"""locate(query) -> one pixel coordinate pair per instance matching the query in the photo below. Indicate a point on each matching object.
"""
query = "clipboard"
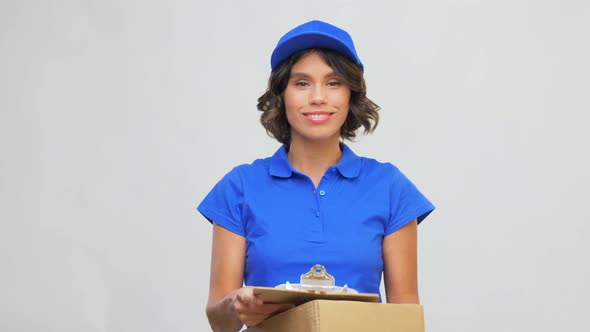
(276, 295)
(317, 284)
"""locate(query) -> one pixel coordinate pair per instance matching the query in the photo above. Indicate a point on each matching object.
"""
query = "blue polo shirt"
(290, 225)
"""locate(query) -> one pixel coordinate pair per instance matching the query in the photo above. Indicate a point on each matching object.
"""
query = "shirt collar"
(349, 165)
(279, 164)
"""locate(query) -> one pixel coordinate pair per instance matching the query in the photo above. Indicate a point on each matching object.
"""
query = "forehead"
(312, 62)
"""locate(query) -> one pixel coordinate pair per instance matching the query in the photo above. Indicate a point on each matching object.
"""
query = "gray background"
(117, 117)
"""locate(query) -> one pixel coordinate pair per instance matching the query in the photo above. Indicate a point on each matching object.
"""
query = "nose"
(318, 95)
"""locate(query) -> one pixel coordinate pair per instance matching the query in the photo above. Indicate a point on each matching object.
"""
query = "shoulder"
(383, 170)
(254, 167)
(240, 177)
(264, 167)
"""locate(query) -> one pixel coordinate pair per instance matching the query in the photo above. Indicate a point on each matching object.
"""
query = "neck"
(314, 159)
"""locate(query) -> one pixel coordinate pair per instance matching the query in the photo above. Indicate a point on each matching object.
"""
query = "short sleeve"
(223, 204)
(406, 203)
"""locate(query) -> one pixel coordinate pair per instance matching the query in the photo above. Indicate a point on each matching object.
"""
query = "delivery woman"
(314, 201)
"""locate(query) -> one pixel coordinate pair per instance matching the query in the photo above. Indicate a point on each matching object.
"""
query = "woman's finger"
(265, 309)
(253, 315)
(248, 305)
(246, 295)
(252, 319)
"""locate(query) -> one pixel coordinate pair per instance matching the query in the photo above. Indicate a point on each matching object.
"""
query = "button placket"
(320, 193)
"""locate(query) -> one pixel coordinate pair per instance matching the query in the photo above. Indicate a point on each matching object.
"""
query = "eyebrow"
(304, 75)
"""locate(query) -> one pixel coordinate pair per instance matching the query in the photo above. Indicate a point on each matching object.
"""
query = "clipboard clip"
(317, 276)
(317, 280)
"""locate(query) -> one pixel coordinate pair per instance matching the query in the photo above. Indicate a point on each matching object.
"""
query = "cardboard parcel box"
(337, 315)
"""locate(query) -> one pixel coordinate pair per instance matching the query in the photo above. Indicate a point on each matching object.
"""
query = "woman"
(314, 201)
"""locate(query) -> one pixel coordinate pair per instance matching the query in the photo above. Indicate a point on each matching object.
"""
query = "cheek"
(342, 96)
(289, 107)
(289, 101)
(293, 103)
(344, 100)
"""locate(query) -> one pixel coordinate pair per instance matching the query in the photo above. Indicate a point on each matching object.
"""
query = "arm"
(227, 271)
(230, 305)
(400, 265)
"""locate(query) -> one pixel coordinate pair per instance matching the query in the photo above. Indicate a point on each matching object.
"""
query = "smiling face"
(316, 101)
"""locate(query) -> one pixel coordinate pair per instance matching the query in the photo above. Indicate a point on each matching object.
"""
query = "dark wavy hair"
(362, 113)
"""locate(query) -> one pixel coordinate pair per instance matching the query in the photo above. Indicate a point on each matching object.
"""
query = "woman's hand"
(252, 310)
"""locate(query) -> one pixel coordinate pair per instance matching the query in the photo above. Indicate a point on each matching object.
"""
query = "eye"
(301, 83)
(334, 83)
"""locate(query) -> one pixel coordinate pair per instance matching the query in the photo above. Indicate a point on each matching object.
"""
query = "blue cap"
(314, 34)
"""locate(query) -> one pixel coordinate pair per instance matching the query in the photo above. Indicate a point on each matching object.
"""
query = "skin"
(400, 261)
(230, 305)
(312, 88)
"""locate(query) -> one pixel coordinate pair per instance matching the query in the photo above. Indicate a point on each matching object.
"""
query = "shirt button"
(322, 193)
(317, 213)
